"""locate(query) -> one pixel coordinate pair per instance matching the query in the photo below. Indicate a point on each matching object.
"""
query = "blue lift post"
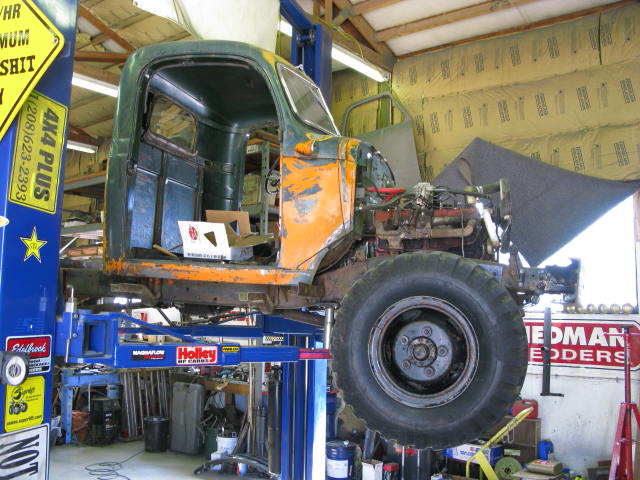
(30, 216)
(310, 46)
(31, 187)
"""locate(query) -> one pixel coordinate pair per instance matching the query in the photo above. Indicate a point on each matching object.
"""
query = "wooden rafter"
(328, 10)
(447, 18)
(96, 73)
(132, 21)
(103, 57)
(87, 100)
(523, 28)
(178, 36)
(365, 29)
(79, 135)
(385, 62)
(97, 121)
(369, 5)
(104, 28)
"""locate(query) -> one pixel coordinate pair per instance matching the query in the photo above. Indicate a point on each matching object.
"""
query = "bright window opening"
(606, 250)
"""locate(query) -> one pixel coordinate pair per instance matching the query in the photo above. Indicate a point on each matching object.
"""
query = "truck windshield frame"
(306, 100)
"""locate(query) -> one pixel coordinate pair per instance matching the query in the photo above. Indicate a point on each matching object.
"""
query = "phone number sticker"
(37, 156)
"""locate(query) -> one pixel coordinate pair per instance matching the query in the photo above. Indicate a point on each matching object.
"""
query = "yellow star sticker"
(33, 245)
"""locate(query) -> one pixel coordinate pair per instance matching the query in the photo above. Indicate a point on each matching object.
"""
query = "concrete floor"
(68, 462)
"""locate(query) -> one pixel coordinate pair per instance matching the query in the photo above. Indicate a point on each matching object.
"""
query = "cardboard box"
(527, 432)
(546, 467)
(449, 476)
(523, 453)
(528, 475)
(224, 236)
(465, 451)
(372, 470)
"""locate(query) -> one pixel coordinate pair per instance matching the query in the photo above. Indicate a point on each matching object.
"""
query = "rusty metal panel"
(316, 208)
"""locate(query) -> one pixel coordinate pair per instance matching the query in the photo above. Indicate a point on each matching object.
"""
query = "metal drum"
(341, 456)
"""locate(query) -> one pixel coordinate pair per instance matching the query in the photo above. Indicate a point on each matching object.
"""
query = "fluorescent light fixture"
(285, 27)
(342, 55)
(357, 63)
(81, 147)
(94, 84)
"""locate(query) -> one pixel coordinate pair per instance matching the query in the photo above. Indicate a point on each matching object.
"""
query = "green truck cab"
(429, 345)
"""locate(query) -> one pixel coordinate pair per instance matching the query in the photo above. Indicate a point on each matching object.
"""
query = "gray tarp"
(550, 205)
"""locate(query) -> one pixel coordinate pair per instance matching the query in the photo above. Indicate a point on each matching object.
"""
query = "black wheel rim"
(423, 352)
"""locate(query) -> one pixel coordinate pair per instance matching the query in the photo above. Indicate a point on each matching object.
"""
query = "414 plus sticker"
(37, 155)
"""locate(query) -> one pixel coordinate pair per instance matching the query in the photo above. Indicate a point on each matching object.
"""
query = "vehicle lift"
(34, 324)
(86, 338)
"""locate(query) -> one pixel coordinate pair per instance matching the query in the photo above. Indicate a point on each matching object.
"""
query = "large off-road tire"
(429, 349)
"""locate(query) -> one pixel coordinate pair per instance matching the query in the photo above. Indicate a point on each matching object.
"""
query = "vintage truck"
(429, 346)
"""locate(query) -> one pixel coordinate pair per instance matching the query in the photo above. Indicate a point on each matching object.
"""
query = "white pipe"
(491, 227)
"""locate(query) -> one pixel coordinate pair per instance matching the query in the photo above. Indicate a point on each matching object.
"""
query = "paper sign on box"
(226, 235)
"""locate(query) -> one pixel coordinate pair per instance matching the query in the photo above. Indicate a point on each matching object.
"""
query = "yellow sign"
(229, 349)
(37, 155)
(29, 43)
(24, 405)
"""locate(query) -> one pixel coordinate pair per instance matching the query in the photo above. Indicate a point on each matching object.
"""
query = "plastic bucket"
(227, 443)
(341, 460)
(211, 443)
(156, 434)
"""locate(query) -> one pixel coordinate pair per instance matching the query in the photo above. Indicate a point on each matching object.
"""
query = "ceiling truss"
(123, 28)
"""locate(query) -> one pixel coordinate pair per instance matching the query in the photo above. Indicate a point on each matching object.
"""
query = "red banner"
(583, 343)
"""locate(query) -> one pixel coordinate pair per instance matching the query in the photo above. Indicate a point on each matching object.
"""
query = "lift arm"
(83, 337)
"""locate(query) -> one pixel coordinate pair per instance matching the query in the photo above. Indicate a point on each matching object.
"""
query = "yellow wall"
(565, 94)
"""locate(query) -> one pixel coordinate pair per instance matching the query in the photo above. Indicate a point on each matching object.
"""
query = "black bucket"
(156, 434)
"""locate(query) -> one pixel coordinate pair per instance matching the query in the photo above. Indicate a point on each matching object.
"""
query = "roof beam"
(385, 62)
(87, 100)
(98, 23)
(97, 121)
(104, 57)
(78, 135)
(523, 28)
(96, 73)
(447, 18)
(133, 20)
(369, 5)
(365, 29)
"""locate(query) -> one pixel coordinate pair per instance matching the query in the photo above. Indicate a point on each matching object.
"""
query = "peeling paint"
(304, 207)
(317, 205)
(270, 57)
